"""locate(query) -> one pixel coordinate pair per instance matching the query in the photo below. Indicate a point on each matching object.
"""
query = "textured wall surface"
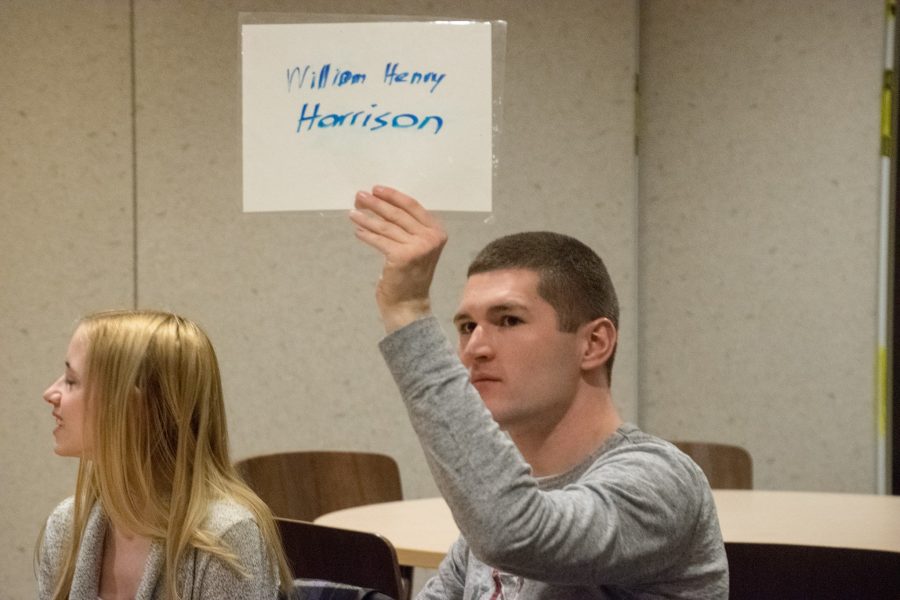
(758, 232)
(288, 298)
(65, 234)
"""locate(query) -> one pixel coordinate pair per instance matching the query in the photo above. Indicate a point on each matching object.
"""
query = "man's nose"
(479, 345)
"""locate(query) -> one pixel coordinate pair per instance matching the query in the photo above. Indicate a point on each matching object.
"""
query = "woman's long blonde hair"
(159, 455)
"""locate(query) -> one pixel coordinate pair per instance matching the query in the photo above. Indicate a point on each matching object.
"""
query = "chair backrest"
(789, 571)
(356, 558)
(306, 485)
(315, 589)
(725, 466)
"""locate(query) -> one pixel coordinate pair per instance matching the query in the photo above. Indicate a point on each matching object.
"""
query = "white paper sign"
(332, 108)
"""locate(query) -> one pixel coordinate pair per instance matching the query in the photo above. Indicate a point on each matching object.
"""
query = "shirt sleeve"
(54, 539)
(216, 579)
(450, 581)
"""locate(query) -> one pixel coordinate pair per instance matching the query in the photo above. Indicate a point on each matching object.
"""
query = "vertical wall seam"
(134, 173)
(636, 218)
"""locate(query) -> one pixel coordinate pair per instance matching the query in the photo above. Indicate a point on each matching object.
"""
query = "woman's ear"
(600, 343)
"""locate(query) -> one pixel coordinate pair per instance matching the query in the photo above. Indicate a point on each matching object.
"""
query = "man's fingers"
(377, 225)
(397, 207)
(385, 222)
(387, 211)
(372, 239)
(407, 203)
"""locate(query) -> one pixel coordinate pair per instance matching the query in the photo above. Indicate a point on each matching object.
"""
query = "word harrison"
(365, 119)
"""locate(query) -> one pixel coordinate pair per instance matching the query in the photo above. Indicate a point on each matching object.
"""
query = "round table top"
(423, 530)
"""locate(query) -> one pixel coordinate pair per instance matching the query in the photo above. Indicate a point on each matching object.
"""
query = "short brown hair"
(572, 278)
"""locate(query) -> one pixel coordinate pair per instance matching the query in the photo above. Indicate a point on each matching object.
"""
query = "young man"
(569, 502)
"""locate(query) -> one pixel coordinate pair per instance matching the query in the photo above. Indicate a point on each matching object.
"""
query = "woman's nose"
(52, 393)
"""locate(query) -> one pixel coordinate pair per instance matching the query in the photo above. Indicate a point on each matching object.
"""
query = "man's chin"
(487, 388)
(496, 412)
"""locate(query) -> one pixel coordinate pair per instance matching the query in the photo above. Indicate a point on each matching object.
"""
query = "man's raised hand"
(411, 240)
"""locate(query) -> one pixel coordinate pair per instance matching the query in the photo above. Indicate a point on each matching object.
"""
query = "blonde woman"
(158, 510)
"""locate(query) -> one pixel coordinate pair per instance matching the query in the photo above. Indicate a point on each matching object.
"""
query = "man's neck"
(583, 429)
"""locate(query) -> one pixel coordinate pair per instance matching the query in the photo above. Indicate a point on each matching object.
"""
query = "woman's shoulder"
(65, 507)
(234, 524)
(58, 530)
(227, 513)
(61, 517)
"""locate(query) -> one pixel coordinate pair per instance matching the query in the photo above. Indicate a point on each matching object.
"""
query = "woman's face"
(66, 395)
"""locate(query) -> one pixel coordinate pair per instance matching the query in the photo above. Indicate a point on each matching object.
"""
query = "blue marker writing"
(392, 76)
(316, 80)
(362, 118)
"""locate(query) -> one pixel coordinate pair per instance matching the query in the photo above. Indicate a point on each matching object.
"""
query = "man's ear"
(600, 342)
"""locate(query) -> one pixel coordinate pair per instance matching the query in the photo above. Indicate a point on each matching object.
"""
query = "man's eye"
(509, 321)
(465, 327)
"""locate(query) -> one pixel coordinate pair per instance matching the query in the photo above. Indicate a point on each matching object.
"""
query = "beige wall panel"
(759, 195)
(288, 297)
(65, 235)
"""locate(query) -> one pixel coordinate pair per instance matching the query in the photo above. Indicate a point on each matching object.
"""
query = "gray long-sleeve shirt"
(634, 520)
(202, 576)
